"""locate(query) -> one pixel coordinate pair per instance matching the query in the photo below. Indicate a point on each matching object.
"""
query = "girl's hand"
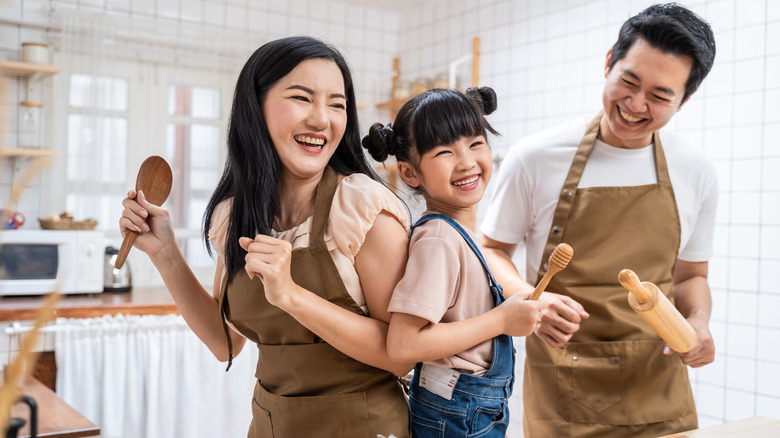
(269, 259)
(151, 222)
(520, 315)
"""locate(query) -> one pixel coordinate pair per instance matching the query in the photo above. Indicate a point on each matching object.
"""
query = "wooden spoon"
(154, 179)
(558, 260)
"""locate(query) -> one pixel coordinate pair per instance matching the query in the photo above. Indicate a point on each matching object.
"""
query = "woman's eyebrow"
(311, 92)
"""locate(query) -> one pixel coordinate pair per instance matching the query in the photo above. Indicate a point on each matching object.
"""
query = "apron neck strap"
(492, 281)
(325, 191)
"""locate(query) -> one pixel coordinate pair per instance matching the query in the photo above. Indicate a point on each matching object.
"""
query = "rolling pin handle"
(630, 281)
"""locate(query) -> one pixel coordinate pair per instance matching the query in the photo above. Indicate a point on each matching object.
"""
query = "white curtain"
(150, 376)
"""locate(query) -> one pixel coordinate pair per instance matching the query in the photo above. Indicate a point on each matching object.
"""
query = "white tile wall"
(546, 60)
(551, 70)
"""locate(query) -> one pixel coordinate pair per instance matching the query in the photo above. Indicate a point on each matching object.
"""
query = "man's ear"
(408, 174)
(608, 61)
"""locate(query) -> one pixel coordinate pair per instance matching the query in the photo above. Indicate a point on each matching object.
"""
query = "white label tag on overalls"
(438, 380)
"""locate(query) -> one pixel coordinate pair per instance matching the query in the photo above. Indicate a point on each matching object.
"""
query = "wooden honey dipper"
(558, 260)
(653, 306)
(154, 179)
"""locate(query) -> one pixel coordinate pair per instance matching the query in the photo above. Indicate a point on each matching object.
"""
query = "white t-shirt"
(530, 179)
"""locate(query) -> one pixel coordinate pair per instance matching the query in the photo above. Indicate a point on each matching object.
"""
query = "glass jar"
(31, 124)
(442, 80)
(421, 85)
(403, 90)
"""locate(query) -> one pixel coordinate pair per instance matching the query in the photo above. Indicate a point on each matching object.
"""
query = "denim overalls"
(480, 404)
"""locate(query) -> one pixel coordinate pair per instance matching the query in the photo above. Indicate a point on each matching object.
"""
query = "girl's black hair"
(252, 169)
(435, 117)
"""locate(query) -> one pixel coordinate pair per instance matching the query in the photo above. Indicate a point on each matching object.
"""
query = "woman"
(308, 244)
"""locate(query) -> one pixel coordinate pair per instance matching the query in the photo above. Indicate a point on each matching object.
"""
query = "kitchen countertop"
(139, 301)
(756, 427)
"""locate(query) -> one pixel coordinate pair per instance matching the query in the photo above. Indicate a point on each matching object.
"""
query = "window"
(192, 145)
(114, 120)
(97, 139)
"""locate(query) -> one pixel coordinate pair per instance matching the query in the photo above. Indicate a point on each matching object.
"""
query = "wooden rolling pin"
(558, 260)
(154, 179)
(653, 306)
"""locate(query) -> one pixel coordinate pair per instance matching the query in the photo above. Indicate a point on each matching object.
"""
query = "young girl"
(448, 313)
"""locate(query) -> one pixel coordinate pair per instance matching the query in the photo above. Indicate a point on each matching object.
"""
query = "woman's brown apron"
(611, 378)
(307, 388)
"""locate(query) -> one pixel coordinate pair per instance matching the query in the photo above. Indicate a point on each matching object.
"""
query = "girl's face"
(453, 177)
(306, 115)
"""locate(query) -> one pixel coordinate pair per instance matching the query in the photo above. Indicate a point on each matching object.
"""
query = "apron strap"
(572, 182)
(491, 280)
(324, 198)
(662, 170)
(569, 189)
(325, 191)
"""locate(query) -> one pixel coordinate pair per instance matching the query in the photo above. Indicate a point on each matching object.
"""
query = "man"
(623, 196)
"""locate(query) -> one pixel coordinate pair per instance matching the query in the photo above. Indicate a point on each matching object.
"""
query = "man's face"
(642, 93)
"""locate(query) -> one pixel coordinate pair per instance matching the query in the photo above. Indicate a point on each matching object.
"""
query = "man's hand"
(560, 319)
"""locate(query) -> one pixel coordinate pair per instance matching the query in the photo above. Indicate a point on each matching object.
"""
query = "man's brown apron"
(307, 388)
(611, 379)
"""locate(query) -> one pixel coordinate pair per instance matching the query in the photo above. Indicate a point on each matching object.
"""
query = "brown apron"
(611, 378)
(307, 388)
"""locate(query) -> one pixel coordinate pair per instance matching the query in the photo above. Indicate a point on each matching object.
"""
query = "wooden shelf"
(395, 104)
(26, 152)
(27, 69)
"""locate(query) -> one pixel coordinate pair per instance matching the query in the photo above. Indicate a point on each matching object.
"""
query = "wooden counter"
(756, 427)
(139, 301)
(55, 417)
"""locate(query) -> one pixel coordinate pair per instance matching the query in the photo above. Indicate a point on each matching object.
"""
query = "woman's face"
(306, 115)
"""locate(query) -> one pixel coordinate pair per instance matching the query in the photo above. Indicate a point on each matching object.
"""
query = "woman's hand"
(269, 259)
(151, 222)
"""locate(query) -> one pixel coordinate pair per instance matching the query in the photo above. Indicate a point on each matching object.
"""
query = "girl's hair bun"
(380, 141)
(484, 97)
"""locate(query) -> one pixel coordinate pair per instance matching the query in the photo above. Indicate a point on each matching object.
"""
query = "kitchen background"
(144, 77)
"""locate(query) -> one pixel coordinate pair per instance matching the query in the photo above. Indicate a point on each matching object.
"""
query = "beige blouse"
(357, 202)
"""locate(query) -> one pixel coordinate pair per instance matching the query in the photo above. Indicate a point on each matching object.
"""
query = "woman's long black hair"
(252, 168)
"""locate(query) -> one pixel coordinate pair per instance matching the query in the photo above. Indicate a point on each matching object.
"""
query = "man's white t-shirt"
(530, 179)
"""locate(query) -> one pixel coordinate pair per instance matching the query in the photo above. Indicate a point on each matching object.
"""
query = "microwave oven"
(34, 262)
